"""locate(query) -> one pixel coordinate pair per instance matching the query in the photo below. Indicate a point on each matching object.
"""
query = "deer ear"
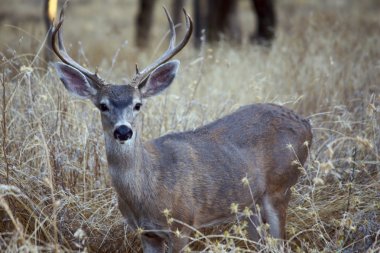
(159, 79)
(74, 81)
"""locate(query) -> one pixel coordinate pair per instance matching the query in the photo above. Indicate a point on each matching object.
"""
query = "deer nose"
(123, 133)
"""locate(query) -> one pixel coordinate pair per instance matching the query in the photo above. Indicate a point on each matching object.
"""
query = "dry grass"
(55, 192)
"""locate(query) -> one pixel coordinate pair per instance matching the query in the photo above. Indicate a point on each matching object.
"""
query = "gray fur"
(197, 175)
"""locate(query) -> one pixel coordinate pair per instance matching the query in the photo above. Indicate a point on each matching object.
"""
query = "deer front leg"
(152, 243)
(177, 244)
(266, 22)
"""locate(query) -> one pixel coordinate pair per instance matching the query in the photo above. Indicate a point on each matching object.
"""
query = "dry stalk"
(4, 126)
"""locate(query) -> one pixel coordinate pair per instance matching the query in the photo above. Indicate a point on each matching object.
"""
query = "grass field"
(55, 191)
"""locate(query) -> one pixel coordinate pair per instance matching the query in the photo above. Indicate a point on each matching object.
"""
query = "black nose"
(123, 133)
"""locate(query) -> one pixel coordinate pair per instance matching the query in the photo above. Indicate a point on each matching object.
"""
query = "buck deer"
(195, 175)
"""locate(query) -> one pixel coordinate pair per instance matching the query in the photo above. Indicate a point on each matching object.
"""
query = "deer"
(192, 176)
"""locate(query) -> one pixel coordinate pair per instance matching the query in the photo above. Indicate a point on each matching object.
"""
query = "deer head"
(119, 104)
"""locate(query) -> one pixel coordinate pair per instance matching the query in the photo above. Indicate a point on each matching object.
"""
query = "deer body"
(194, 176)
(197, 174)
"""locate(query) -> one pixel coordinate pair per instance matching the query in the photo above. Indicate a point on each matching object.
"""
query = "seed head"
(234, 208)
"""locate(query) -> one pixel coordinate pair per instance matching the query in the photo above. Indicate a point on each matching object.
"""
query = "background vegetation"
(55, 192)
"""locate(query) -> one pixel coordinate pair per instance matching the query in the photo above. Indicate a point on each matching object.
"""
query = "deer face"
(119, 104)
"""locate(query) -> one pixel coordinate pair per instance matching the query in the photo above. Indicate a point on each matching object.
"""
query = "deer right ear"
(74, 81)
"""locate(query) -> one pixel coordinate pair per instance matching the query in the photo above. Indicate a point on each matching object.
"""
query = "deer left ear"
(159, 79)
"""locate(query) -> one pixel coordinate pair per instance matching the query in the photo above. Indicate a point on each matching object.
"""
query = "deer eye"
(103, 107)
(137, 107)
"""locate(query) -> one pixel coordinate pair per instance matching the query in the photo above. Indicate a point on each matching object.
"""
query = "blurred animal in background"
(266, 22)
(218, 17)
(50, 14)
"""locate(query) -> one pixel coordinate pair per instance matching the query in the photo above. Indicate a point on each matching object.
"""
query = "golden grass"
(55, 192)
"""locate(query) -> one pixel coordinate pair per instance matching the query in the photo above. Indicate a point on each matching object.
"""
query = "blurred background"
(101, 27)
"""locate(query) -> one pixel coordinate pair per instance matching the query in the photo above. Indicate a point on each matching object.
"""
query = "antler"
(172, 50)
(61, 52)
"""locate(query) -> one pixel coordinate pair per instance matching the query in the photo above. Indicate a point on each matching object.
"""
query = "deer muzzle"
(123, 133)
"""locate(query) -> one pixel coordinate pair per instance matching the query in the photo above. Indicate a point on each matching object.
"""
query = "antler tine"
(62, 54)
(170, 52)
(172, 31)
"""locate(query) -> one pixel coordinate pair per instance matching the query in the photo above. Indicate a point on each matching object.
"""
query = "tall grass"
(55, 192)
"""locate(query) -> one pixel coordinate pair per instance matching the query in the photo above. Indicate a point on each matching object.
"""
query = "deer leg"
(200, 20)
(144, 22)
(253, 223)
(233, 29)
(266, 22)
(177, 6)
(271, 217)
(275, 205)
(152, 243)
(178, 244)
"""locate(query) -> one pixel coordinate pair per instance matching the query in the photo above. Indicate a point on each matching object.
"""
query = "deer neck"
(130, 169)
